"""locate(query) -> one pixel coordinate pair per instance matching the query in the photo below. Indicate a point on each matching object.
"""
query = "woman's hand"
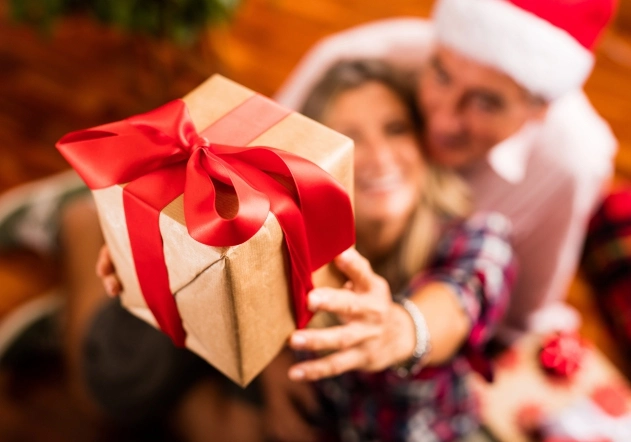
(376, 332)
(106, 271)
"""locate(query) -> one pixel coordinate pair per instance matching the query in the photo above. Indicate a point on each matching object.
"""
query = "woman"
(410, 328)
(408, 217)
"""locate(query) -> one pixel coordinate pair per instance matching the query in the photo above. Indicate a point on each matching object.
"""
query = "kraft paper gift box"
(234, 301)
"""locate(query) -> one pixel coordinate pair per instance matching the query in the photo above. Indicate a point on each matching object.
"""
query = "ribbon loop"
(220, 207)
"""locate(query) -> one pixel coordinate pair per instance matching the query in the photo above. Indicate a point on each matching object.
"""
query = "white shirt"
(547, 178)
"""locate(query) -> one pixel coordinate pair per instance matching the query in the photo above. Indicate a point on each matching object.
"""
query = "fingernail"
(315, 300)
(296, 374)
(298, 340)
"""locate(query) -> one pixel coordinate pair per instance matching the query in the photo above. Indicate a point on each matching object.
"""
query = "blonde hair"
(445, 196)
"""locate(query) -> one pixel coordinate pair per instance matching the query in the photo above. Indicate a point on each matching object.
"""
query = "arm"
(437, 302)
(549, 257)
(403, 41)
(576, 157)
(462, 299)
(476, 261)
(376, 332)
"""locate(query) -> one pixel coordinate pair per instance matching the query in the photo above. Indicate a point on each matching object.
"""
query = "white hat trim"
(544, 59)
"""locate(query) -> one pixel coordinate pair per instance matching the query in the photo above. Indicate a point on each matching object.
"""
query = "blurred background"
(61, 70)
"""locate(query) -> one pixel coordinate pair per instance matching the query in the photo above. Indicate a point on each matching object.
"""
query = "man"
(500, 86)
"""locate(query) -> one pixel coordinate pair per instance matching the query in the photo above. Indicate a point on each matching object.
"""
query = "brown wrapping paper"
(234, 301)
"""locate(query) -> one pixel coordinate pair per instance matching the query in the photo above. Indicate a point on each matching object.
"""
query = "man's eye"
(441, 76)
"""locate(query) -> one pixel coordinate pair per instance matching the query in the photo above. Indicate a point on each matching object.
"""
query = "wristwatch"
(423, 346)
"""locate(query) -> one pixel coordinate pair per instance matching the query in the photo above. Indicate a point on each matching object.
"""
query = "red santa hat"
(544, 45)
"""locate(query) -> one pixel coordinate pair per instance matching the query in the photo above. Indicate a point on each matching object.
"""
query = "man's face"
(469, 108)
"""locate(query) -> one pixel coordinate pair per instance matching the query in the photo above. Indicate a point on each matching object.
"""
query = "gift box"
(586, 420)
(169, 218)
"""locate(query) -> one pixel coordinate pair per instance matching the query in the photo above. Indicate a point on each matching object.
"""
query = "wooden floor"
(82, 75)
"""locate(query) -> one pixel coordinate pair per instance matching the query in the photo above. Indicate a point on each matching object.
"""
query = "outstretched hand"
(376, 333)
(107, 273)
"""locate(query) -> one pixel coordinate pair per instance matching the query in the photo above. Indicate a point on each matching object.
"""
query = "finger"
(356, 268)
(333, 338)
(343, 303)
(112, 285)
(104, 265)
(326, 299)
(328, 366)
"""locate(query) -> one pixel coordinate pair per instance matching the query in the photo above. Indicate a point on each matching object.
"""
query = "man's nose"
(444, 115)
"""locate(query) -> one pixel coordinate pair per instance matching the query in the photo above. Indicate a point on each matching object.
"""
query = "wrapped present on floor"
(218, 210)
(556, 387)
(591, 419)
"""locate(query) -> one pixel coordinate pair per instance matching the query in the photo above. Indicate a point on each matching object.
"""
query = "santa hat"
(544, 45)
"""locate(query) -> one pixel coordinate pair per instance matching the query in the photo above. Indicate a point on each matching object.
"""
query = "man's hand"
(376, 332)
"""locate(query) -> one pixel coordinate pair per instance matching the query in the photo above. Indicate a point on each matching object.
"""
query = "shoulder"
(577, 141)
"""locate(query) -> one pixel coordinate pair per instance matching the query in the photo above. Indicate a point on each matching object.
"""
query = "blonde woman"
(426, 284)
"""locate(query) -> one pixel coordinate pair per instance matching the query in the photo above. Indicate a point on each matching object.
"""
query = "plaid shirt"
(475, 258)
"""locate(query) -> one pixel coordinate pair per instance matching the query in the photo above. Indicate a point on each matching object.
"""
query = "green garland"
(181, 21)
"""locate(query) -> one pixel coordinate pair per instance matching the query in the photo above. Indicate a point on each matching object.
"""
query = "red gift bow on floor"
(562, 353)
(161, 156)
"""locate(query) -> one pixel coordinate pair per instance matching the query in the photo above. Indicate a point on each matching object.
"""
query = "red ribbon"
(161, 156)
(562, 354)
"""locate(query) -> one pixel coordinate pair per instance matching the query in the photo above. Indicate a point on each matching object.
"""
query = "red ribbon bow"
(161, 156)
(562, 354)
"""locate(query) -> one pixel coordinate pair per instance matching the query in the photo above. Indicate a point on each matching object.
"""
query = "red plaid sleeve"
(476, 259)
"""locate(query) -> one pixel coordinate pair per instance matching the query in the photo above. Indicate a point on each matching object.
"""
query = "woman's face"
(389, 168)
